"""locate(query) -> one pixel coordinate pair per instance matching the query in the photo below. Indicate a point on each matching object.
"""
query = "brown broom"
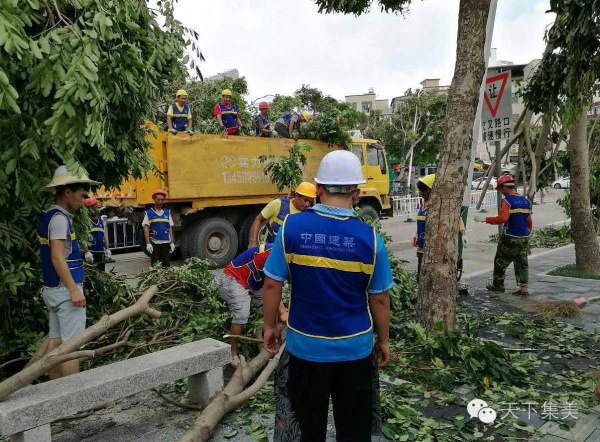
(553, 309)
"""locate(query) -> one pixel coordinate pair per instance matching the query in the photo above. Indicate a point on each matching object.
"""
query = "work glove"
(190, 131)
(465, 241)
(107, 253)
(89, 257)
(172, 247)
(173, 131)
(414, 241)
(149, 248)
(479, 219)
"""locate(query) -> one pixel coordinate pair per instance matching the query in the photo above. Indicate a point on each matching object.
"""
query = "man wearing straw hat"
(62, 265)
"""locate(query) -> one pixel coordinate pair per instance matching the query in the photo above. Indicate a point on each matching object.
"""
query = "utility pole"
(498, 175)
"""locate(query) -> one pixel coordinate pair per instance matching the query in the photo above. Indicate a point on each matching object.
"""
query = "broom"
(553, 309)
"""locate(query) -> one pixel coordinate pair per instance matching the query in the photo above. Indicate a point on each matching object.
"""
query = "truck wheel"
(184, 243)
(368, 213)
(214, 239)
(244, 231)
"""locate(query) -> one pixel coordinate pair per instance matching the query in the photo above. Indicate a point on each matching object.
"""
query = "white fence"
(408, 206)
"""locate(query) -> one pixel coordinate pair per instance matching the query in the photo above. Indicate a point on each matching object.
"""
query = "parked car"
(479, 182)
(562, 183)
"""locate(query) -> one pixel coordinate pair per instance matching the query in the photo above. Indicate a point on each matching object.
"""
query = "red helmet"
(91, 201)
(159, 192)
(505, 179)
(263, 105)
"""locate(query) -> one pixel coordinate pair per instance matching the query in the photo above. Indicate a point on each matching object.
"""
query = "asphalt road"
(478, 256)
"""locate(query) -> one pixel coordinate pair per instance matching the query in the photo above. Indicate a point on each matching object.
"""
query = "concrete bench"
(26, 415)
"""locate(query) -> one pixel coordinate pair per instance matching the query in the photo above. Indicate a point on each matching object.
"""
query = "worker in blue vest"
(286, 124)
(97, 251)
(339, 276)
(513, 244)
(227, 115)
(425, 184)
(62, 265)
(274, 213)
(262, 127)
(158, 230)
(179, 116)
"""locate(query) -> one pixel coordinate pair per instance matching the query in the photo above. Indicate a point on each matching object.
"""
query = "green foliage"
(202, 98)
(283, 104)
(77, 80)
(568, 75)
(546, 237)
(327, 127)
(286, 171)
(571, 271)
(358, 7)
(418, 119)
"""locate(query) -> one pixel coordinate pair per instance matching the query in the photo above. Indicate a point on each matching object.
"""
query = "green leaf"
(35, 49)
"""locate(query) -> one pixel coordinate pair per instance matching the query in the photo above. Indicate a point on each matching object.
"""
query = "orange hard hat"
(505, 179)
(91, 201)
(263, 105)
(159, 192)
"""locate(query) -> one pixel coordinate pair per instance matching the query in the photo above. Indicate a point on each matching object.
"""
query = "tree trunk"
(587, 252)
(436, 303)
(539, 154)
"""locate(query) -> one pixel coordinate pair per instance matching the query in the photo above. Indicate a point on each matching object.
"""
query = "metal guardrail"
(408, 206)
(121, 234)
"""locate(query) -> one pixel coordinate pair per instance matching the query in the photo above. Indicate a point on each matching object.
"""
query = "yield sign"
(494, 89)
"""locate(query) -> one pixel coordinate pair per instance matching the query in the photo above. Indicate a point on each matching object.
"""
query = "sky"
(279, 45)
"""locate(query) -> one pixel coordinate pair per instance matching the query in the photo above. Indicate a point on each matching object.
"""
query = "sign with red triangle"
(494, 89)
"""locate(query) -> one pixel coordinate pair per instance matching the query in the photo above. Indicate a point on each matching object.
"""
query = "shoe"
(493, 288)
(520, 293)
(235, 361)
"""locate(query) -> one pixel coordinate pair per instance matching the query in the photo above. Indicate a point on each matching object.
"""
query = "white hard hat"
(340, 167)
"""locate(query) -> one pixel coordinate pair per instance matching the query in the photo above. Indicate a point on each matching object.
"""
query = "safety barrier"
(121, 234)
(408, 206)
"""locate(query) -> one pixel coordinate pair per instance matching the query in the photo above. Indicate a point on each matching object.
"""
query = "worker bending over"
(286, 124)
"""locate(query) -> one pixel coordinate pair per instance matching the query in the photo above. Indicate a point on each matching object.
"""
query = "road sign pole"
(498, 175)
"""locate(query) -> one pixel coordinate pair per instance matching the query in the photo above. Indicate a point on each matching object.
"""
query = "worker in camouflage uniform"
(513, 244)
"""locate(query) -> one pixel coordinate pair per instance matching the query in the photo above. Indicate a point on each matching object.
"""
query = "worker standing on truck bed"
(158, 230)
(339, 276)
(179, 117)
(98, 250)
(275, 212)
(262, 128)
(286, 124)
(241, 285)
(227, 115)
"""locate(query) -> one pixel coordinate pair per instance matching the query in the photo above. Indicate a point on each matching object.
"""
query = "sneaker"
(520, 293)
(235, 361)
(493, 288)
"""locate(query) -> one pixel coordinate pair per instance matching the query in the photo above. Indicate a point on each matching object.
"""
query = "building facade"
(368, 102)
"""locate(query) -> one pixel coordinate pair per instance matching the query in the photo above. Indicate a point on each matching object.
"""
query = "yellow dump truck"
(217, 186)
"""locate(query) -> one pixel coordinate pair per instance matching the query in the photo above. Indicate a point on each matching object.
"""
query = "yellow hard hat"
(306, 115)
(428, 180)
(181, 92)
(226, 92)
(307, 189)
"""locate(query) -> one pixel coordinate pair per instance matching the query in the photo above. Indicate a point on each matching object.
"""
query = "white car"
(562, 183)
(479, 182)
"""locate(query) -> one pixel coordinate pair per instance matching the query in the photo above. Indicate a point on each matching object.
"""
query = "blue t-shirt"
(327, 350)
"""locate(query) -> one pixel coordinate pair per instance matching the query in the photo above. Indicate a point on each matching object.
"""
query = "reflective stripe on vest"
(74, 260)
(228, 115)
(159, 225)
(97, 231)
(519, 213)
(255, 276)
(331, 261)
(180, 117)
(269, 231)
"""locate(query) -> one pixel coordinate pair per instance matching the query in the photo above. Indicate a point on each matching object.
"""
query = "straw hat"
(62, 176)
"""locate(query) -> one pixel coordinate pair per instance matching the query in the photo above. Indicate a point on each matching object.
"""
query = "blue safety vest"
(228, 115)
(270, 229)
(421, 223)
(286, 119)
(265, 123)
(180, 117)
(256, 276)
(159, 225)
(97, 231)
(520, 211)
(74, 261)
(331, 260)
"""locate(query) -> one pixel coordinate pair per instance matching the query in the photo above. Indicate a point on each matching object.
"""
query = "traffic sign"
(496, 114)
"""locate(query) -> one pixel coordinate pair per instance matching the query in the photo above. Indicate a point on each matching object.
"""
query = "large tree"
(438, 284)
(565, 83)
(77, 80)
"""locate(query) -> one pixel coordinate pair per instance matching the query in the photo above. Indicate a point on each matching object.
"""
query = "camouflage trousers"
(511, 250)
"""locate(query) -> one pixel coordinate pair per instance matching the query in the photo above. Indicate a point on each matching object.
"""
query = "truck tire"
(368, 213)
(184, 242)
(214, 239)
(244, 231)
